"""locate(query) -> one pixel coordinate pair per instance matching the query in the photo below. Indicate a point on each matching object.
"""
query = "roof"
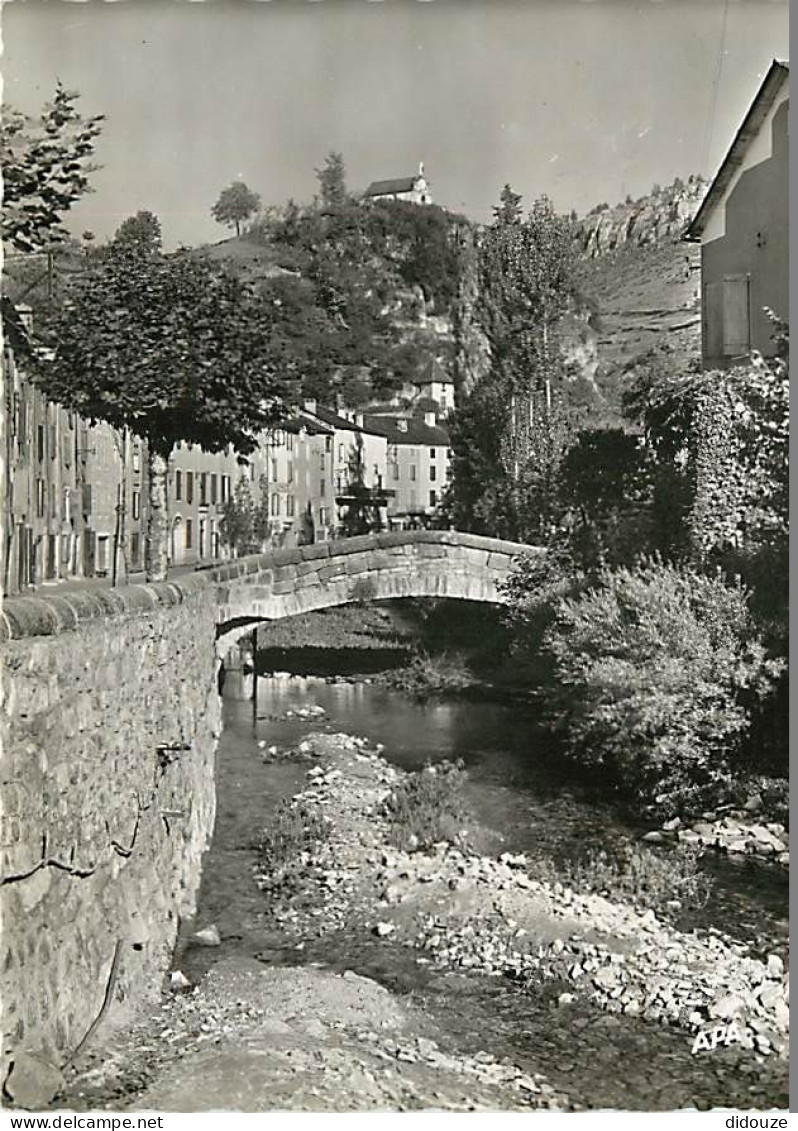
(399, 184)
(417, 431)
(435, 372)
(778, 74)
(335, 420)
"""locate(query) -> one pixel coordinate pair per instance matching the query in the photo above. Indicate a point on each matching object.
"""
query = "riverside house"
(743, 228)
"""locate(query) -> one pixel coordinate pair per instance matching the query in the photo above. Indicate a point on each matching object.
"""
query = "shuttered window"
(727, 318)
(736, 317)
(713, 320)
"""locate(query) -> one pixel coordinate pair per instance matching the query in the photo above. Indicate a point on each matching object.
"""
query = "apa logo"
(709, 1039)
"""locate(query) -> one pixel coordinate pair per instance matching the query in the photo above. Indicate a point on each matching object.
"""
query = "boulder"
(33, 1081)
(208, 936)
(775, 966)
(726, 1007)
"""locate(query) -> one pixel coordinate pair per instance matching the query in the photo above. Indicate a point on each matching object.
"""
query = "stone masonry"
(109, 732)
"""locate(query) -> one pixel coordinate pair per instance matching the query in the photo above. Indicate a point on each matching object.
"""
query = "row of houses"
(76, 493)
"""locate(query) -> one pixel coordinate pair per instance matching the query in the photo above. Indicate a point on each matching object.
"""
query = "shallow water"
(518, 790)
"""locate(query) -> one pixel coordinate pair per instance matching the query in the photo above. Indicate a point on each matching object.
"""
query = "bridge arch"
(413, 563)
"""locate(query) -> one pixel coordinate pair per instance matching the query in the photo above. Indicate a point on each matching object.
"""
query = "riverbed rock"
(208, 936)
(34, 1081)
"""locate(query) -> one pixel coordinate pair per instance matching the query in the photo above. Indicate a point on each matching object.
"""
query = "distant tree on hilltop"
(508, 210)
(332, 181)
(142, 230)
(235, 205)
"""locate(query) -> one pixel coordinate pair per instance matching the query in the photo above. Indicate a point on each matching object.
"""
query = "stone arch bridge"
(414, 563)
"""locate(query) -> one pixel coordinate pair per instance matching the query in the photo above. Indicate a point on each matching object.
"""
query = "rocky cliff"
(661, 215)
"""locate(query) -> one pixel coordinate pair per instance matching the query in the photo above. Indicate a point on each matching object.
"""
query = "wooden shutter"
(736, 316)
(713, 321)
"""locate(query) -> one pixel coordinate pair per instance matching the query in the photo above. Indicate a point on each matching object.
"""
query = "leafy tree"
(332, 181)
(526, 283)
(236, 204)
(172, 347)
(142, 230)
(46, 167)
(245, 524)
(508, 211)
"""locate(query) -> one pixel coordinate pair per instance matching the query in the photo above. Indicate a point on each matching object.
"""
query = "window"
(328, 443)
(412, 471)
(40, 442)
(189, 532)
(274, 471)
(433, 498)
(289, 441)
(323, 516)
(203, 487)
(433, 452)
(322, 486)
(53, 441)
(136, 505)
(727, 317)
(290, 475)
(290, 506)
(189, 488)
(225, 485)
(433, 472)
(178, 485)
(214, 482)
(135, 549)
(341, 453)
(275, 504)
(395, 470)
(102, 553)
(136, 458)
(40, 498)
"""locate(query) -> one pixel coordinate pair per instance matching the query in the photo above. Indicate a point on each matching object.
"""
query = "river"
(517, 789)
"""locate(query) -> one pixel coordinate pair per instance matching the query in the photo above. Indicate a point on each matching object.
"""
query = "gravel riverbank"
(473, 912)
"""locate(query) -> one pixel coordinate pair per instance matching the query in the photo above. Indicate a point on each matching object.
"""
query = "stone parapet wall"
(110, 719)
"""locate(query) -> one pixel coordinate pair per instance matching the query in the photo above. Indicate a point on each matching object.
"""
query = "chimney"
(401, 424)
(310, 406)
(431, 419)
(359, 419)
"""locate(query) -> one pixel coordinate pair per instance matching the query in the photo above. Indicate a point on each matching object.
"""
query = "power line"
(716, 83)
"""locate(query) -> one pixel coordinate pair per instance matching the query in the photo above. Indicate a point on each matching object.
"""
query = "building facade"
(75, 499)
(415, 190)
(743, 228)
(418, 467)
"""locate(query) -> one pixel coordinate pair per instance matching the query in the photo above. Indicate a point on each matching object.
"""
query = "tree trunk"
(120, 576)
(158, 518)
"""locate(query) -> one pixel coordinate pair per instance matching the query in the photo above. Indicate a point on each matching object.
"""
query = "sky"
(583, 100)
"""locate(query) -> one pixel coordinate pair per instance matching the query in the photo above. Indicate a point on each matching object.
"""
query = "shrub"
(426, 807)
(433, 675)
(287, 845)
(657, 669)
(640, 876)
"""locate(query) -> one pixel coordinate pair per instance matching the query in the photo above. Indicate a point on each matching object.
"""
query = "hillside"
(644, 280)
